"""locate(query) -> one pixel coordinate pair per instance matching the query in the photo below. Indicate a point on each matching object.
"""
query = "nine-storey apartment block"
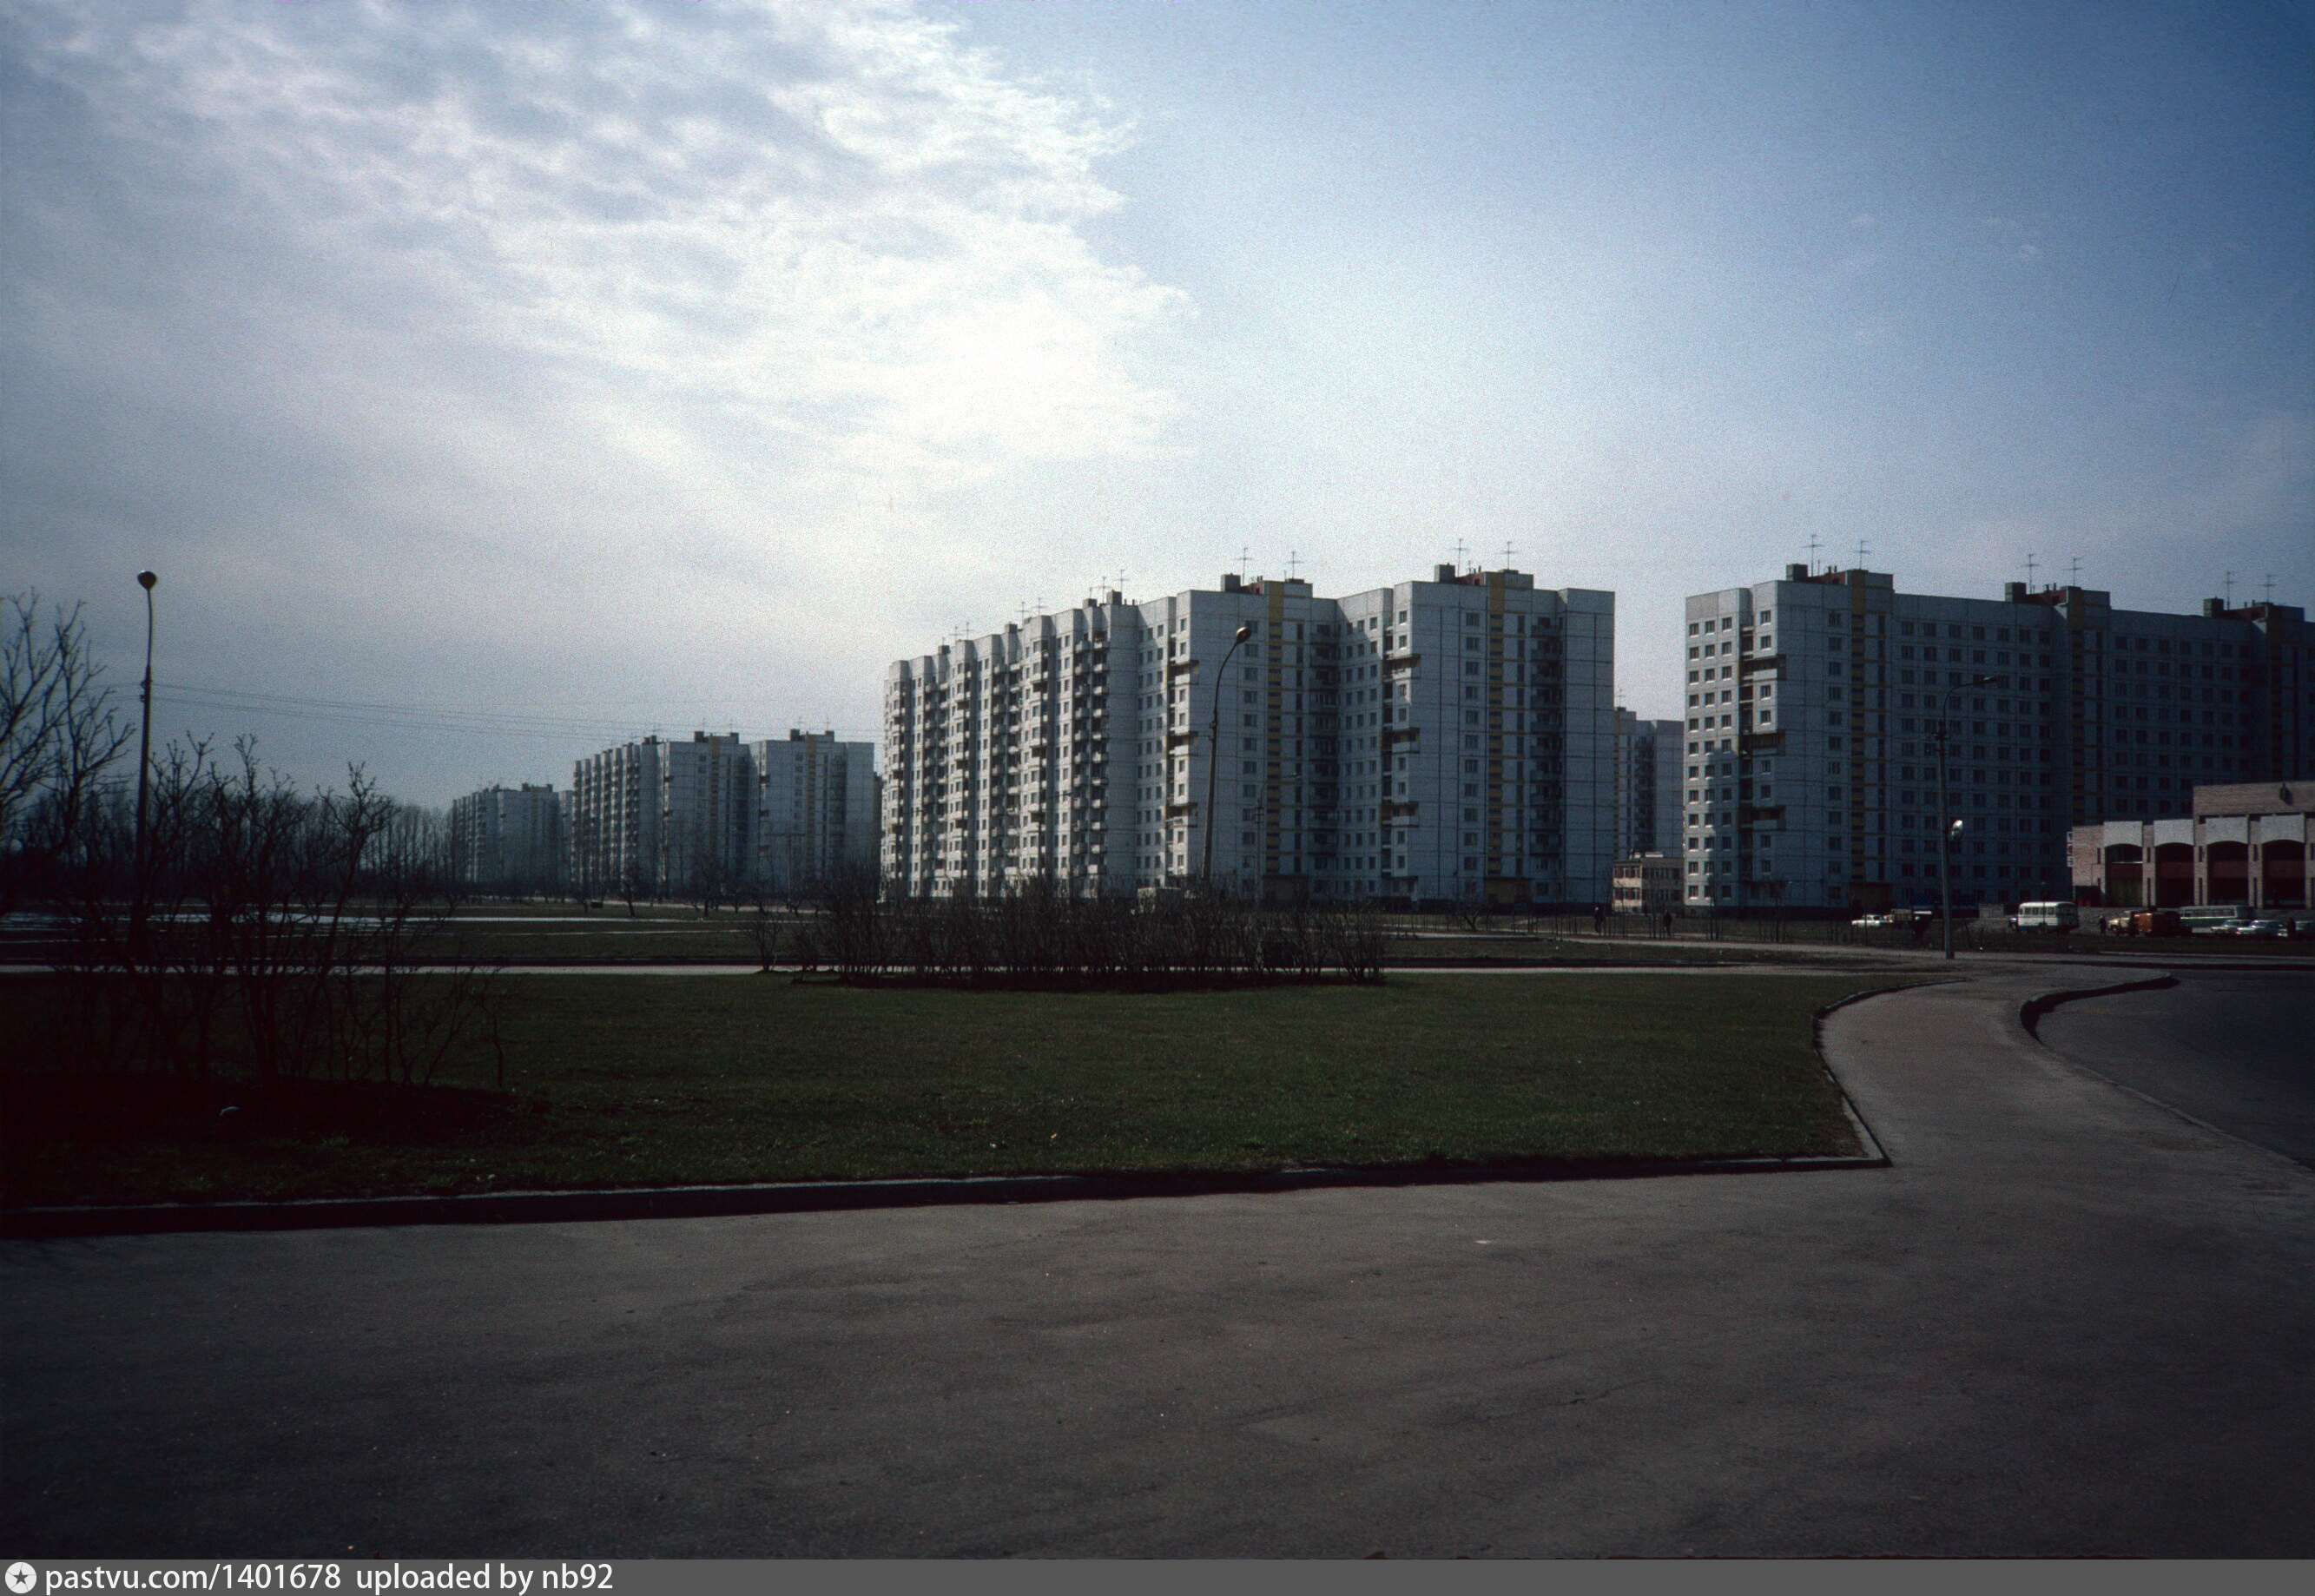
(1811, 748)
(1450, 740)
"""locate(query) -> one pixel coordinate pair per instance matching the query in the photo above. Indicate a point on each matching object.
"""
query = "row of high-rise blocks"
(1452, 738)
(1456, 740)
(661, 818)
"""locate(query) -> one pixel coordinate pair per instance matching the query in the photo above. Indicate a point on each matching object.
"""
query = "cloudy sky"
(492, 379)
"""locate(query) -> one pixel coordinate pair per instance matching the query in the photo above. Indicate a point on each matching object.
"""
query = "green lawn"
(646, 1080)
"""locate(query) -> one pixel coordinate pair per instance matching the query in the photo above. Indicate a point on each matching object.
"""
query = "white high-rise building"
(705, 801)
(508, 839)
(613, 821)
(814, 817)
(1450, 740)
(1816, 705)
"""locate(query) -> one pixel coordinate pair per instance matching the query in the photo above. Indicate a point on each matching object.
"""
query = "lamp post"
(1214, 756)
(148, 581)
(1946, 828)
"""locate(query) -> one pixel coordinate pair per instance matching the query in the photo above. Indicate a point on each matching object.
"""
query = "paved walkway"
(2066, 1321)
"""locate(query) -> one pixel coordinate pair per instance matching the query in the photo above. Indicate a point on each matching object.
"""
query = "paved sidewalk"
(2065, 1321)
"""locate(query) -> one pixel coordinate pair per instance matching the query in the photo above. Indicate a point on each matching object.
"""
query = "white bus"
(2046, 917)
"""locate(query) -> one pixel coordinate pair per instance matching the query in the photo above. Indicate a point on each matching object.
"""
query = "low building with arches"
(2245, 843)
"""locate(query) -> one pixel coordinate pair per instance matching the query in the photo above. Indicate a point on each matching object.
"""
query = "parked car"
(2276, 929)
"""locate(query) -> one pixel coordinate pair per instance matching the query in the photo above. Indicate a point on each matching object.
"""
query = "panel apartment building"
(1450, 740)
(1648, 785)
(1810, 754)
(668, 816)
(815, 811)
(508, 839)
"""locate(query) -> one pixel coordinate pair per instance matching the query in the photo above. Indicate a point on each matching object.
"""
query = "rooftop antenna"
(2029, 570)
(2230, 589)
(1813, 548)
(1860, 554)
(1507, 553)
(2074, 572)
(1461, 553)
(1245, 559)
(1292, 559)
(2267, 586)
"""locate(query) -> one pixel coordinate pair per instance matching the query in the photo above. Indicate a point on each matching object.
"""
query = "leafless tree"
(59, 732)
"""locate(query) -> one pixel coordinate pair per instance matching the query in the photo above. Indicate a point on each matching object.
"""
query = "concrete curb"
(1877, 1156)
(539, 1208)
(2030, 1013)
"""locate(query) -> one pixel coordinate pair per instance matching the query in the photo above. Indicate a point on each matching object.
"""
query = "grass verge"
(639, 1081)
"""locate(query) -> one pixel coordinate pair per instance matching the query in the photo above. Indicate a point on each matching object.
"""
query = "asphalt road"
(2063, 1322)
(2235, 1050)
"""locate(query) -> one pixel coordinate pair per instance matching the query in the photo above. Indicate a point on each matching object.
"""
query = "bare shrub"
(1037, 934)
(291, 924)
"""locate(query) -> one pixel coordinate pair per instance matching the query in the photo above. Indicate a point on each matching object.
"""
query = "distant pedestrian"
(1667, 923)
(1599, 919)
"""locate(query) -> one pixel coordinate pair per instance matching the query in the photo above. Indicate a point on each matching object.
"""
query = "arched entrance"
(2226, 873)
(2283, 874)
(2174, 874)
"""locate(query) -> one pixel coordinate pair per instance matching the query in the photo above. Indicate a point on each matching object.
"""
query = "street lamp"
(1948, 829)
(148, 581)
(1213, 756)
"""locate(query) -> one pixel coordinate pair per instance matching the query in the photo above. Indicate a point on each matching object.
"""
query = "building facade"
(1646, 884)
(2245, 843)
(705, 802)
(1444, 741)
(1811, 747)
(1648, 785)
(614, 821)
(815, 812)
(508, 839)
(714, 816)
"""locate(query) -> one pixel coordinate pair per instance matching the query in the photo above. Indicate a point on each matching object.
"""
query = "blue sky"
(562, 371)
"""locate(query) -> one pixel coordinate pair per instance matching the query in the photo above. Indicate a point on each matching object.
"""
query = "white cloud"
(832, 222)
(646, 313)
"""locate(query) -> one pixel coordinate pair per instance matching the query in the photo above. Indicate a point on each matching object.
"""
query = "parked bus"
(2220, 918)
(2046, 917)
